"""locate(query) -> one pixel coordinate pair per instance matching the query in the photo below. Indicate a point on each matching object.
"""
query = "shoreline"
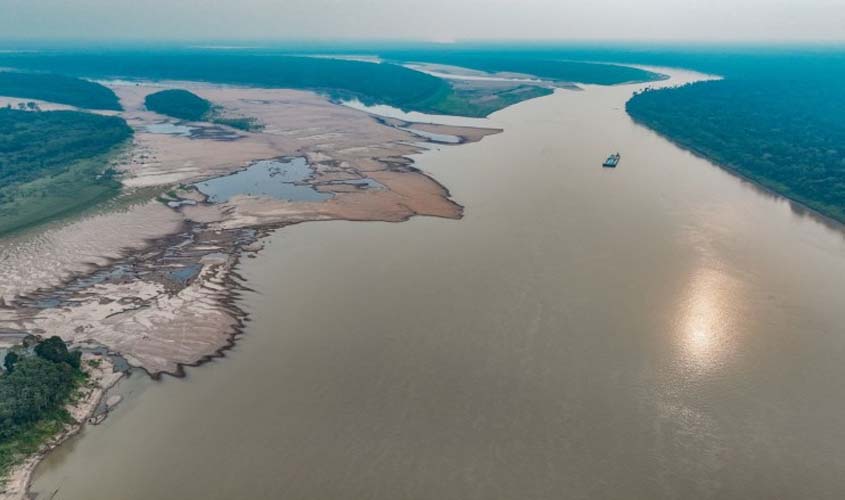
(102, 379)
(168, 299)
(234, 275)
(87, 301)
(798, 207)
(229, 283)
(234, 229)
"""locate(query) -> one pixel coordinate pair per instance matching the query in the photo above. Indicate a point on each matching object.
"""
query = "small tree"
(55, 350)
(52, 349)
(10, 360)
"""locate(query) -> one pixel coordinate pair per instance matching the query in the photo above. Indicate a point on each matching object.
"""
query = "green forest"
(34, 389)
(465, 100)
(384, 83)
(372, 83)
(54, 162)
(788, 135)
(186, 105)
(59, 89)
(178, 103)
(552, 69)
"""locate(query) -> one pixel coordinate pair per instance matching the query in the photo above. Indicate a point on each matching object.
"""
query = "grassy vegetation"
(479, 102)
(59, 89)
(54, 162)
(34, 389)
(787, 135)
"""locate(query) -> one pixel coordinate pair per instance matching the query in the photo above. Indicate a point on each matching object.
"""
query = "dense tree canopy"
(52, 162)
(33, 394)
(543, 67)
(57, 88)
(386, 83)
(35, 144)
(178, 103)
(10, 360)
(54, 349)
(31, 391)
(786, 135)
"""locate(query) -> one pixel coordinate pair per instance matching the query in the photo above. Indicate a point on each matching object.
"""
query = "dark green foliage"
(59, 89)
(787, 135)
(34, 389)
(186, 105)
(37, 144)
(178, 103)
(54, 349)
(52, 162)
(32, 399)
(747, 61)
(552, 69)
(467, 101)
(10, 360)
(372, 83)
(385, 83)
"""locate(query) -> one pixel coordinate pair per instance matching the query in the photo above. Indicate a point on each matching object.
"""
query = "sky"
(426, 20)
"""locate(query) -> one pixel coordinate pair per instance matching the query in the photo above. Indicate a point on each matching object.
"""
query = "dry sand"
(157, 283)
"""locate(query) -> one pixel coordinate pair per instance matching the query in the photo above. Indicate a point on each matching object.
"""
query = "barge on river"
(612, 161)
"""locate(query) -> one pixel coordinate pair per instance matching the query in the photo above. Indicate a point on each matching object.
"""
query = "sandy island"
(154, 279)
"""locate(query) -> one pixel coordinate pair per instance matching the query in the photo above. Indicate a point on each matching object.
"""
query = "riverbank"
(750, 127)
(800, 205)
(577, 324)
(101, 377)
(154, 280)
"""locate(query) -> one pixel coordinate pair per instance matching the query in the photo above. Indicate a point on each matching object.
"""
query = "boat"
(612, 161)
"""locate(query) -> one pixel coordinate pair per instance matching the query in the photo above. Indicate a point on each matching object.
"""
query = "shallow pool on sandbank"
(281, 179)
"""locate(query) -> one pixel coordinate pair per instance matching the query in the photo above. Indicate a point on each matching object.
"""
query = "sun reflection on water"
(708, 320)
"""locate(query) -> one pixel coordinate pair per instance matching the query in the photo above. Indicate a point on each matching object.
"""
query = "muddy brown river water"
(662, 330)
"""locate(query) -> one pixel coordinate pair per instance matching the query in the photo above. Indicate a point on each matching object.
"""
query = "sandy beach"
(154, 280)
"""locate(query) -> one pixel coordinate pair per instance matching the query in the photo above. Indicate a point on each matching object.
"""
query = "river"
(662, 330)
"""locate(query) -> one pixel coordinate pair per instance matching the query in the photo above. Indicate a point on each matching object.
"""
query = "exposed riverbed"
(659, 330)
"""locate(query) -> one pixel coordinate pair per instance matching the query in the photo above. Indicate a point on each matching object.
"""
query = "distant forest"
(59, 89)
(775, 118)
(782, 129)
(372, 83)
(383, 83)
(551, 69)
(53, 162)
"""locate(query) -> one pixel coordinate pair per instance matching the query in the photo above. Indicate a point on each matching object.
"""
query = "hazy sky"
(439, 20)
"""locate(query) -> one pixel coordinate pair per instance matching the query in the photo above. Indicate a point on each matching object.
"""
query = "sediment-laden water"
(659, 330)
